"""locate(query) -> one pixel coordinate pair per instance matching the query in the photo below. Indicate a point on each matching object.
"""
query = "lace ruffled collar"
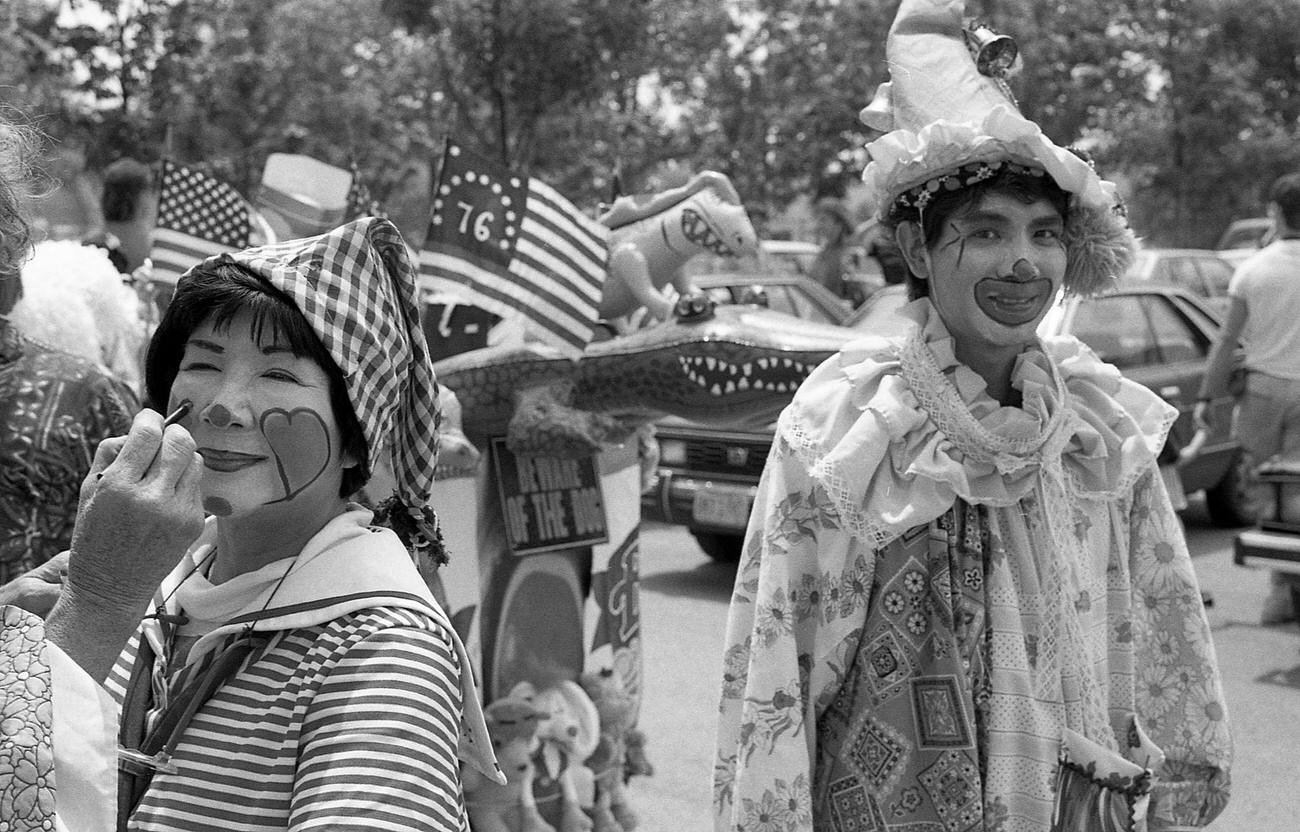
(914, 429)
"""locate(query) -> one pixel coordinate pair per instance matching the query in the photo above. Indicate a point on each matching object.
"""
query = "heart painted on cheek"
(301, 445)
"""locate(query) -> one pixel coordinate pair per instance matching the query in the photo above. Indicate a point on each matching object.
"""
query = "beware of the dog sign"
(549, 502)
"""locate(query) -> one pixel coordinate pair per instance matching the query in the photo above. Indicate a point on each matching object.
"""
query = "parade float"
(543, 529)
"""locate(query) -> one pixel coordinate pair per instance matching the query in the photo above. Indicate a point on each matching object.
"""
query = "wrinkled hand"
(140, 510)
(37, 589)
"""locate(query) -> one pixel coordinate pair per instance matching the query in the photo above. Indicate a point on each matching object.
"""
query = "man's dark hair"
(1285, 193)
(219, 293)
(125, 182)
(1023, 186)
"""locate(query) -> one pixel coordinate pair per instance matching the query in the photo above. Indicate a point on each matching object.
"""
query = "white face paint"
(995, 269)
(263, 423)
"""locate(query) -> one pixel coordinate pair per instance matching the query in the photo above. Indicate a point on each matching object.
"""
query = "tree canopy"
(1190, 104)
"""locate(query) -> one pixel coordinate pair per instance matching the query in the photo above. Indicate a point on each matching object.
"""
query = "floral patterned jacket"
(54, 411)
(941, 599)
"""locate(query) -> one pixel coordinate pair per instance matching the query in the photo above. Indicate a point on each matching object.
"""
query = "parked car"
(1160, 336)
(1274, 542)
(1200, 271)
(707, 476)
(782, 292)
(773, 257)
(1157, 335)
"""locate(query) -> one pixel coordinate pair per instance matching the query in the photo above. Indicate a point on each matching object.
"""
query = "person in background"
(965, 601)
(55, 408)
(876, 314)
(833, 231)
(128, 203)
(1265, 308)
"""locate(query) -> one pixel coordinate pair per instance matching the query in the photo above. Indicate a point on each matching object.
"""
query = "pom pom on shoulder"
(416, 526)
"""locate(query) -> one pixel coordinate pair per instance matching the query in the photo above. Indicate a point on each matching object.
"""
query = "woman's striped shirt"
(352, 724)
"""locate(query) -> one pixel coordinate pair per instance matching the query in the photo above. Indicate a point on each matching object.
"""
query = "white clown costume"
(952, 614)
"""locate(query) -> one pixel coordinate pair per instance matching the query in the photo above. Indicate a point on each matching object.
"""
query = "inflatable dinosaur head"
(707, 222)
(704, 215)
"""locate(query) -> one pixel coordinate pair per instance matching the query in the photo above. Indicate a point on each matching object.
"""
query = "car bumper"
(698, 503)
(1261, 549)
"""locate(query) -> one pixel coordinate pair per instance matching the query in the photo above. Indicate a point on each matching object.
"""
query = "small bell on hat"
(994, 54)
(950, 121)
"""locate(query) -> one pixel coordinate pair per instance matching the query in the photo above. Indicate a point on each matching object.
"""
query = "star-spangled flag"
(198, 216)
(511, 244)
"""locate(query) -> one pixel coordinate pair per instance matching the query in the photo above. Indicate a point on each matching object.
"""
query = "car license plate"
(722, 507)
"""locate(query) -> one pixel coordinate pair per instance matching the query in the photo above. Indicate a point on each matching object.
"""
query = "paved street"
(683, 603)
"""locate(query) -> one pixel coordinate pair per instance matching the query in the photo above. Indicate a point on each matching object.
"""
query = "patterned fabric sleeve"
(378, 746)
(1179, 693)
(54, 411)
(800, 599)
(26, 731)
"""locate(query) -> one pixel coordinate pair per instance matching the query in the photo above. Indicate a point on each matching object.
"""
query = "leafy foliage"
(1191, 104)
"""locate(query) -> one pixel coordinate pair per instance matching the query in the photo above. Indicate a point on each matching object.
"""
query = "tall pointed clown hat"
(950, 121)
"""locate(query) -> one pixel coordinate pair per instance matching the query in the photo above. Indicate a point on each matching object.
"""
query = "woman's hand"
(140, 510)
(37, 589)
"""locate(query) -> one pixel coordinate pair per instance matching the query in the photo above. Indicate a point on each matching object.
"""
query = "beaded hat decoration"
(949, 121)
(356, 287)
(922, 195)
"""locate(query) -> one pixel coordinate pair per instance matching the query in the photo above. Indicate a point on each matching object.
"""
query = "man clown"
(965, 601)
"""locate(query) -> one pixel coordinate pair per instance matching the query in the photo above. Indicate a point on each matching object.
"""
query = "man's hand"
(140, 511)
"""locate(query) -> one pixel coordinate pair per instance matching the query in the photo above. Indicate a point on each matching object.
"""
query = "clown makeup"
(262, 421)
(995, 269)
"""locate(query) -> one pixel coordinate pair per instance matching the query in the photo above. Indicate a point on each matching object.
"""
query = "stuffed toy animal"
(569, 735)
(617, 710)
(513, 723)
(637, 763)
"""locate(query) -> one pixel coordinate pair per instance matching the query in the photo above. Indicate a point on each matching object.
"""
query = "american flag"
(511, 244)
(198, 216)
(360, 202)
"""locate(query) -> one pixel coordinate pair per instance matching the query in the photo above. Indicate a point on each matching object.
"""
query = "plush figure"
(617, 710)
(652, 238)
(513, 723)
(637, 763)
(569, 736)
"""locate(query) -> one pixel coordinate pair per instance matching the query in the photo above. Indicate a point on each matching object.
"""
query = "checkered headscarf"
(355, 285)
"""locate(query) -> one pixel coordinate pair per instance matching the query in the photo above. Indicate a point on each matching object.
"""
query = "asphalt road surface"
(684, 607)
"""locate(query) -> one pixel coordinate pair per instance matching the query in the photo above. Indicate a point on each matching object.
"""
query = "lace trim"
(810, 451)
(940, 399)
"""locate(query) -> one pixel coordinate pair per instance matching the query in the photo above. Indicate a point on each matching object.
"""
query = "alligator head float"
(731, 366)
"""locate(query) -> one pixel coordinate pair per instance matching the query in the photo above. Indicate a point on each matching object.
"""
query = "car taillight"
(1288, 501)
(1282, 480)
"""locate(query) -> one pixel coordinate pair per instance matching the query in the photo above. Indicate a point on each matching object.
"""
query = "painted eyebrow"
(206, 345)
(275, 349)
